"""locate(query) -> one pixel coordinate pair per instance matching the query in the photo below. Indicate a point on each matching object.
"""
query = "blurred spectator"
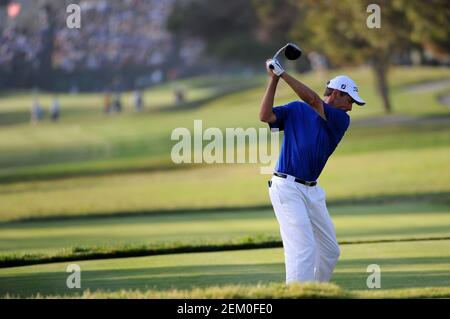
(179, 95)
(37, 113)
(318, 64)
(107, 102)
(74, 90)
(55, 109)
(138, 101)
(117, 103)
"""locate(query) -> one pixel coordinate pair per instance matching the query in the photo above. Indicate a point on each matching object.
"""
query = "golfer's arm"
(305, 93)
(266, 114)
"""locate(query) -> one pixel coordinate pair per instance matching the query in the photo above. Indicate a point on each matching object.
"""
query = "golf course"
(101, 191)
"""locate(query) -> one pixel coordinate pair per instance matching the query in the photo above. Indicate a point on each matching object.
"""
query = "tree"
(339, 30)
(251, 30)
(430, 23)
(235, 30)
(276, 19)
(227, 27)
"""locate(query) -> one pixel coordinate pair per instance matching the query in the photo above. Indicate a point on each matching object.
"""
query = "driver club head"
(292, 52)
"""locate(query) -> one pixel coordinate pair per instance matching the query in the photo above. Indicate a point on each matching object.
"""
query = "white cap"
(344, 84)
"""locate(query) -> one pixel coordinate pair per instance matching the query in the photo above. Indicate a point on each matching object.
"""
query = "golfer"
(312, 130)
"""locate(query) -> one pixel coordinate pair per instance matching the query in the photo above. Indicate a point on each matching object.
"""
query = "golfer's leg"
(328, 252)
(296, 232)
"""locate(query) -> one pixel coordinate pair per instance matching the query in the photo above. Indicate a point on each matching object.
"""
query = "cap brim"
(357, 99)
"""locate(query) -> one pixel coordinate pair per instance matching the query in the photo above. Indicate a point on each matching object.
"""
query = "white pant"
(309, 240)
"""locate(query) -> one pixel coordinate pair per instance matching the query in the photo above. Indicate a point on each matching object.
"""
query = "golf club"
(291, 52)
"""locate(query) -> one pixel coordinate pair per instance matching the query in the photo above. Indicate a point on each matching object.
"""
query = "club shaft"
(279, 51)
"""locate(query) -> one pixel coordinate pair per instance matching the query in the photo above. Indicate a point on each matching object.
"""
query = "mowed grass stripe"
(41, 242)
(354, 221)
(93, 139)
(403, 265)
(403, 172)
(150, 153)
(85, 133)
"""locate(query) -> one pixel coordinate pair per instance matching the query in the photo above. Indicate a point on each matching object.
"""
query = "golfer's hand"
(274, 67)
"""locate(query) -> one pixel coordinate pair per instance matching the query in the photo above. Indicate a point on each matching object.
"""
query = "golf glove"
(275, 66)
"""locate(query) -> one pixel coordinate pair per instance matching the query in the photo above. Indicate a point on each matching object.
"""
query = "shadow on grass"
(246, 243)
(434, 197)
(89, 172)
(20, 117)
(391, 278)
(12, 118)
(387, 262)
(158, 278)
(395, 121)
(422, 85)
(23, 117)
(231, 89)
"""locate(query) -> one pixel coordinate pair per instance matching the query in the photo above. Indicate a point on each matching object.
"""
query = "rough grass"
(261, 291)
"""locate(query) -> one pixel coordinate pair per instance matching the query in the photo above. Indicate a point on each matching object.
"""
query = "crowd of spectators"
(16, 45)
(113, 35)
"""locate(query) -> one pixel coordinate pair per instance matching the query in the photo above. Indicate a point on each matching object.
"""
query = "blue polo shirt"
(309, 140)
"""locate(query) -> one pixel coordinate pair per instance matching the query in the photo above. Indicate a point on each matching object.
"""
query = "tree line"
(249, 31)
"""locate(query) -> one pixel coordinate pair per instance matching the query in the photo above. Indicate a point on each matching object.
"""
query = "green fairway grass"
(359, 175)
(353, 223)
(96, 186)
(153, 153)
(78, 143)
(93, 136)
(16, 105)
(403, 265)
(102, 165)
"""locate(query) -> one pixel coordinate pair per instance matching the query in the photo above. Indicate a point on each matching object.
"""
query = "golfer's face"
(348, 102)
(344, 101)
